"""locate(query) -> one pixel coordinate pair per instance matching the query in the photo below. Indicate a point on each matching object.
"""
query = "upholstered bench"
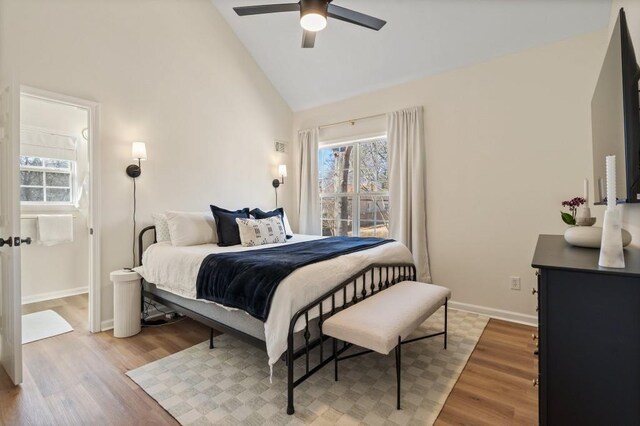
(381, 322)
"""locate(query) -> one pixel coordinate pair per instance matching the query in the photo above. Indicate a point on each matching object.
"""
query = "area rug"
(42, 325)
(229, 385)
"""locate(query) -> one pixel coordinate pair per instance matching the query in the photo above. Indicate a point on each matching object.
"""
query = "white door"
(10, 287)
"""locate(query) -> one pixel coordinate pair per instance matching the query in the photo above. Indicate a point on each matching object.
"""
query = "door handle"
(17, 241)
(8, 241)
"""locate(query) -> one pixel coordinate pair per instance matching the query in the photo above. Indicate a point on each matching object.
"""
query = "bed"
(302, 301)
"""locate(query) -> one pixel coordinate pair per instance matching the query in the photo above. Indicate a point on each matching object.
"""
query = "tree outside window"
(354, 188)
(46, 180)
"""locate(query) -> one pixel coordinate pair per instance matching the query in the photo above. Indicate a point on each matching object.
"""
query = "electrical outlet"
(515, 283)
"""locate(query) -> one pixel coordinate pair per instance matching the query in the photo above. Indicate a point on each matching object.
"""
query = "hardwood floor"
(78, 377)
(496, 387)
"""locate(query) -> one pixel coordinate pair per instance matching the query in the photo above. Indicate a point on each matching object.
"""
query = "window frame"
(357, 195)
(71, 171)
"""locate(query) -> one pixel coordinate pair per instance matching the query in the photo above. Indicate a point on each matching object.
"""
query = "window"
(46, 180)
(354, 188)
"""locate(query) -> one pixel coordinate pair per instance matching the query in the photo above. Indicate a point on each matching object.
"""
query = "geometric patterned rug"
(229, 385)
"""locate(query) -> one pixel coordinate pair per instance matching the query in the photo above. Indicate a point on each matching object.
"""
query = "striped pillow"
(256, 232)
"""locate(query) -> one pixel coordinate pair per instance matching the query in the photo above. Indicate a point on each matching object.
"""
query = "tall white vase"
(611, 251)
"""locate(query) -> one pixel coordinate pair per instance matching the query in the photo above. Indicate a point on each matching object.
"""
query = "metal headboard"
(141, 246)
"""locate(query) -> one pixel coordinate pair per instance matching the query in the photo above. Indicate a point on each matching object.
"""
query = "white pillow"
(191, 229)
(162, 227)
(287, 227)
(256, 232)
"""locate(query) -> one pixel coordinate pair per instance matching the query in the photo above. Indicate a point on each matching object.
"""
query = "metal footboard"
(371, 280)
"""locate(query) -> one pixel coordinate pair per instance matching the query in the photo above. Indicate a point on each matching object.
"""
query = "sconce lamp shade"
(282, 171)
(139, 151)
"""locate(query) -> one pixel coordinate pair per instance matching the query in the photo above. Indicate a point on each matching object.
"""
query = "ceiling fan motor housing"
(314, 6)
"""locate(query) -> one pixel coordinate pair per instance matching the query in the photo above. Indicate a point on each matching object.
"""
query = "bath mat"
(42, 325)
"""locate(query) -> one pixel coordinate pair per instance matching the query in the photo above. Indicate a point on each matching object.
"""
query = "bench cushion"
(376, 322)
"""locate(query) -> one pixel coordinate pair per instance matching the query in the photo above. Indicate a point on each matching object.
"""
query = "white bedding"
(175, 269)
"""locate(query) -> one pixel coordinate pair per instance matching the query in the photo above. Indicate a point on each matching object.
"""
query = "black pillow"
(259, 214)
(228, 230)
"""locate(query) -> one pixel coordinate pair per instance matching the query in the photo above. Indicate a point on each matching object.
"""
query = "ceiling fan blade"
(267, 8)
(308, 39)
(354, 17)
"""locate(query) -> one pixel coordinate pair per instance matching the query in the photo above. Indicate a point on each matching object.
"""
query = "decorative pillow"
(162, 227)
(259, 214)
(191, 229)
(256, 232)
(228, 233)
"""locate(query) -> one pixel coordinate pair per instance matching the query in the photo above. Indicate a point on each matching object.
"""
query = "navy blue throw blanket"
(248, 280)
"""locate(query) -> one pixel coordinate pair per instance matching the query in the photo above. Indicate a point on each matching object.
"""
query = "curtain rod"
(352, 121)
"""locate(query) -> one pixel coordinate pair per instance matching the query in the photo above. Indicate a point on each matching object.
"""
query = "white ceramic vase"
(590, 236)
(611, 250)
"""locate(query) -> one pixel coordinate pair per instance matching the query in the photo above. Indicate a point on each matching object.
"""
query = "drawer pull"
(534, 291)
(538, 273)
(535, 382)
(534, 336)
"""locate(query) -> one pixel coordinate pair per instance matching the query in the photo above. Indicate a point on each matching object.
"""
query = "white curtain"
(408, 184)
(309, 197)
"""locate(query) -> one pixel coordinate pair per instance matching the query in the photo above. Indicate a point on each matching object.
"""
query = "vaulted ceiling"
(421, 38)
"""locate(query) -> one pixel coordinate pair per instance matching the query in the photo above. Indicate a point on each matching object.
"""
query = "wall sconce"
(282, 171)
(138, 152)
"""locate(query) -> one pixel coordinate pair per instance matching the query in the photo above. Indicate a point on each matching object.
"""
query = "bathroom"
(55, 207)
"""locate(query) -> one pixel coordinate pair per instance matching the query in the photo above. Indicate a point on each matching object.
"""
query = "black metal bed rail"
(372, 280)
(141, 241)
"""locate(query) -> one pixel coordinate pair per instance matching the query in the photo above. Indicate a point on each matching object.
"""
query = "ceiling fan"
(313, 16)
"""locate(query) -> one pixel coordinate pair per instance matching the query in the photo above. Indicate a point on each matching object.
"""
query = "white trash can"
(126, 303)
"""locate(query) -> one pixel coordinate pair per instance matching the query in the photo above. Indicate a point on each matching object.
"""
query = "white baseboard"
(54, 295)
(496, 313)
(106, 325)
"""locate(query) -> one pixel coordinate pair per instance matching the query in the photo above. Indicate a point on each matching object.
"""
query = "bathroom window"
(46, 180)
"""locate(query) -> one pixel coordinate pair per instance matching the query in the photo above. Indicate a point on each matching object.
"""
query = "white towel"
(55, 229)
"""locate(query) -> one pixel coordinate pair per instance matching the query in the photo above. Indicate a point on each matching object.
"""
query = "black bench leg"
(335, 357)
(211, 339)
(446, 309)
(398, 362)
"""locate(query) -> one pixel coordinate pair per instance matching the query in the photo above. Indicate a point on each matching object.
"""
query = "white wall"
(167, 72)
(630, 213)
(50, 272)
(507, 141)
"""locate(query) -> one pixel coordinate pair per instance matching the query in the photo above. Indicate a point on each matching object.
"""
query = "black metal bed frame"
(369, 281)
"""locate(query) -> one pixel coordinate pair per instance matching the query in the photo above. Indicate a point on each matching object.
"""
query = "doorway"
(58, 214)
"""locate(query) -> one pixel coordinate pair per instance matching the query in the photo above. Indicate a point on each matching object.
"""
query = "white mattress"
(175, 269)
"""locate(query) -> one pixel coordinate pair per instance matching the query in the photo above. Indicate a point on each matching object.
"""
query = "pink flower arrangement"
(573, 204)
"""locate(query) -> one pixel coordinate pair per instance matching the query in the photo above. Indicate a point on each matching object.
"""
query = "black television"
(615, 117)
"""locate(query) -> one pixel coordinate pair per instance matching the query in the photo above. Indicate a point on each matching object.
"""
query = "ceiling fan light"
(313, 21)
